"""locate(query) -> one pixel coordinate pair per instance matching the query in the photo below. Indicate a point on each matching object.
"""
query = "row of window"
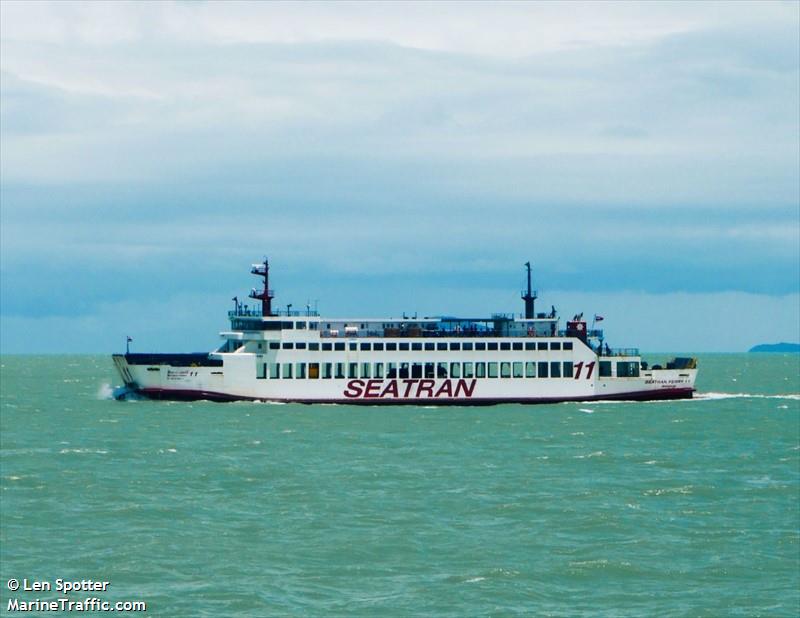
(270, 325)
(340, 371)
(417, 346)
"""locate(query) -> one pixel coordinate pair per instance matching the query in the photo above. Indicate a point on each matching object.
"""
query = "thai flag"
(598, 318)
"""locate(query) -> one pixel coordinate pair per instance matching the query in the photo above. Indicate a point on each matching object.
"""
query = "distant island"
(776, 347)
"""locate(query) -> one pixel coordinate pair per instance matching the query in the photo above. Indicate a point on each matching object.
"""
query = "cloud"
(154, 148)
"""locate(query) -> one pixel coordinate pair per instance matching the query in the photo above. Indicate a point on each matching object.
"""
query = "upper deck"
(498, 325)
(271, 323)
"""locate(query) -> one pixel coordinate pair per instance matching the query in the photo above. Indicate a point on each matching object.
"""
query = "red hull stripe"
(195, 395)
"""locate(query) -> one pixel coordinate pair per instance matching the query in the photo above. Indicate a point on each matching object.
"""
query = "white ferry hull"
(235, 380)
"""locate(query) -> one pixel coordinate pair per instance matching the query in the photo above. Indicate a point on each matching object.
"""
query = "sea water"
(685, 508)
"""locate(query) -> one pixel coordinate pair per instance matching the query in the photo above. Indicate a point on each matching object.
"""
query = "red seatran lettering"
(409, 389)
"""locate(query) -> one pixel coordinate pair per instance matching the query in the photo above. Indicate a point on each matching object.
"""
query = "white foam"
(106, 391)
(595, 454)
(686, 489)
(716, 396)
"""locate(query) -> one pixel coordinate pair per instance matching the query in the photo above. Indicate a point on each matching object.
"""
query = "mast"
(529, 296)
(265, 295)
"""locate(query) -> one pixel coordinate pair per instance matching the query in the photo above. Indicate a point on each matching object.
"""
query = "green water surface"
(688, 508)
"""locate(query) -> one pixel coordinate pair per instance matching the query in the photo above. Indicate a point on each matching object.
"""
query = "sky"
(398, 157)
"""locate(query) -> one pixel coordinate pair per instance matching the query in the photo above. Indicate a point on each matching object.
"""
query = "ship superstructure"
(298, 356)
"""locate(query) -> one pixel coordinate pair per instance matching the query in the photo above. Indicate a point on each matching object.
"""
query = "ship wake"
(717, 396)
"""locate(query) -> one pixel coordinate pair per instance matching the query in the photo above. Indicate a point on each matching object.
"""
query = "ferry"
(281, 355)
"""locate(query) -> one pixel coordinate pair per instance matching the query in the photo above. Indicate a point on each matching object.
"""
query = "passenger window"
(480, 370)
(365, 367)
(327, 371)
(300, 371)
(492, 370)
(555, 370)
(378, 370)
(441, 370)
(505, 370)
(469, 372)
(530, 370)
(517, 370)
(567, 369)
(542, 370)
(455, 370)
(274, 371)
(287, 371)
(339, 371)
(352, 370)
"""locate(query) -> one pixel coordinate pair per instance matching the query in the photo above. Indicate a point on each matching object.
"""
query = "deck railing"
(621, 352)
(255, 312)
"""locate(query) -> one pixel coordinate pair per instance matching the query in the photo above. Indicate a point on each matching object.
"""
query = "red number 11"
(579, 368)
